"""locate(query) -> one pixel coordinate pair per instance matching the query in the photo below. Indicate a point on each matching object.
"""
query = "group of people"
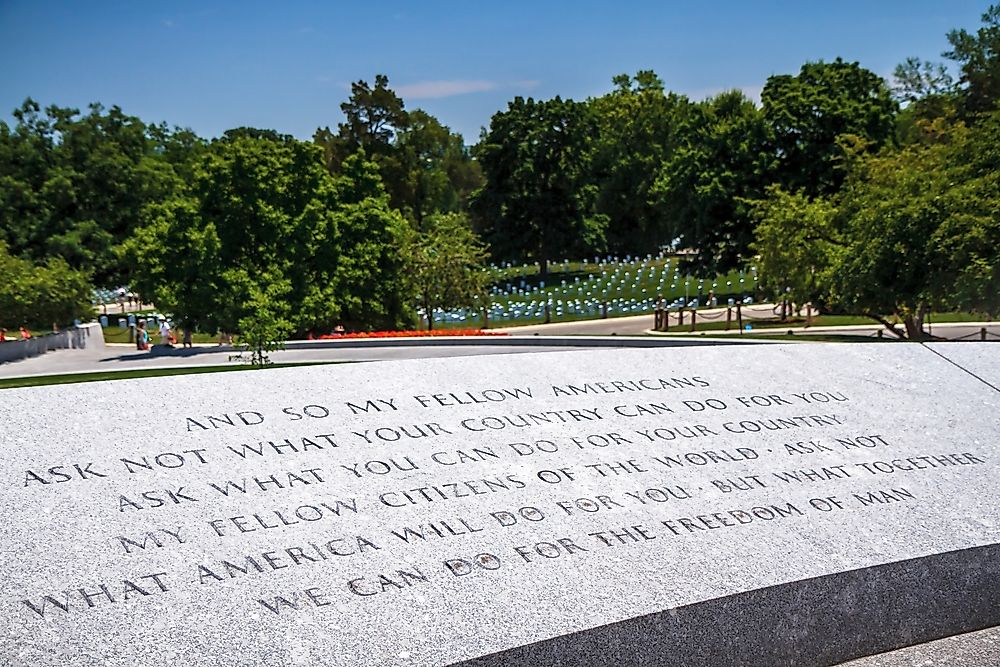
(25, 334)
(167, 338)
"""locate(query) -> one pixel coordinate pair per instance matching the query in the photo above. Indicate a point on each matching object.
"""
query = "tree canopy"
(73, 186)
(39, 295)
(808, 112)
(854, 194)
(266, 232)
(721, 162)
(446, 266)
(978, 57)
(538, 202)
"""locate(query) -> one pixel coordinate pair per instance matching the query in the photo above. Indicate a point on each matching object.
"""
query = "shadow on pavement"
(160, 352)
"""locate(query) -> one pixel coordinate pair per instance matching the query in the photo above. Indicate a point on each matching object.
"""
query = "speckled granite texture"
(773, 504)
(980, 359)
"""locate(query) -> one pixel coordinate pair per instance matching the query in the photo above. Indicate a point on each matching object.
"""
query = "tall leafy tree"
(74, 186)
(373, 116)
(912, 230)
(637, 131)
(967, 243)
(928, 92)
(723, 160)
(267, 242)
(978, 57)
(430, 170)
(371, 287)
(39, 295)
(424, 166)
(537, 202)
(807, 113)
(794, 243)
(916, 79)
(446, 265)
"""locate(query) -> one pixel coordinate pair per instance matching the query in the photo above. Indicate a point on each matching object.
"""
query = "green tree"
(373, 116)
(537, 202)
(424, 166)
(371, 288)
(978, 57)
(889, 210)
(967, 243)
(41, 295)
(268, 243)
(446, 265)
(267, 321)
(430, 171)
(809, 111)
(794, 240)
(637, 131)
(912, 230)
(75, 186)
(916, 79)
(927, 91)
(723, 161)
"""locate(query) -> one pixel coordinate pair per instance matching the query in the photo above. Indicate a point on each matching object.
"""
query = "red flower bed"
(408, 334)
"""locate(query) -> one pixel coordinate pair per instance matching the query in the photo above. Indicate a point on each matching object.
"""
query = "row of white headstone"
(646, 279)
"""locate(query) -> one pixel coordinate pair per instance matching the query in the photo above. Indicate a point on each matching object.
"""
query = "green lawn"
(639, 281)
(70, 378)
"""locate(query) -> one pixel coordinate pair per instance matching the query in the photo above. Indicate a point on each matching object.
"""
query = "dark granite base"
(810, 623)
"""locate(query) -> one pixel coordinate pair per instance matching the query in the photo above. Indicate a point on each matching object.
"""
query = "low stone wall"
(86, 336)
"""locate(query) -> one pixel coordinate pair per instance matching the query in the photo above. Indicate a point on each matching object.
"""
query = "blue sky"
(287, 66)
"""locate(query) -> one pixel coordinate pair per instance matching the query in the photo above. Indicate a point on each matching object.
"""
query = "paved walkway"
(120, 357)
(559, 336)
(126, 357)
(974, 649)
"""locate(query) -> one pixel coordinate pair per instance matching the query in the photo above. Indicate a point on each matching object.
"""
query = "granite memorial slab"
(978, 358)
(766, 505)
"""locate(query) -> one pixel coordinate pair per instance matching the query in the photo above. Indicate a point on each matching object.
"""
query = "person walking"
(165, 334)
(141, 336)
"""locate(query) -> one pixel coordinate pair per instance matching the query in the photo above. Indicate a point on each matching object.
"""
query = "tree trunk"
(543, 268)
(887, 324)
(914, 323)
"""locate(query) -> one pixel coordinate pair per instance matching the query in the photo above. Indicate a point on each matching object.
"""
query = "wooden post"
(548, 313)
(739, 317)
(694, 316)
(680, 317)
(604, 310)
(486, 318)
(666, 320)
(729, 317)
(982, 333)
